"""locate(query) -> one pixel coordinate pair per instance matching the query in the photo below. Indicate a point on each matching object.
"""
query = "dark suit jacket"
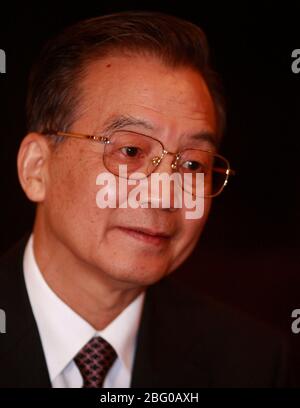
(184, 340)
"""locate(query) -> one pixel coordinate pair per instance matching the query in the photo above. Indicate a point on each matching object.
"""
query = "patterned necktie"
(94, 360)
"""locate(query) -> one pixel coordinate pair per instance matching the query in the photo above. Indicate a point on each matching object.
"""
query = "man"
(88, 298)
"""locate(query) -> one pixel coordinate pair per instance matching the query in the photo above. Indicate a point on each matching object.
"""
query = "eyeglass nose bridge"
(158, 159)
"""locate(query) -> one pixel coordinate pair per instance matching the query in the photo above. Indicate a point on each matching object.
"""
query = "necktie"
(94, 360)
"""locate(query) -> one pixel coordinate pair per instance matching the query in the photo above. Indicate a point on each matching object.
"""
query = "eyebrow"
(119, 122)
(206, 137)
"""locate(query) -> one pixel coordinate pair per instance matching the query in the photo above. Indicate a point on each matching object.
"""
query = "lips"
(151, 232)
(148, 235)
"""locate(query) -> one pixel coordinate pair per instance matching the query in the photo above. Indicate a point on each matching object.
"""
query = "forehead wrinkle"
(195, 115)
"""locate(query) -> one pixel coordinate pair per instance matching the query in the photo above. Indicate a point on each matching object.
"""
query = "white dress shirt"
(63, 332)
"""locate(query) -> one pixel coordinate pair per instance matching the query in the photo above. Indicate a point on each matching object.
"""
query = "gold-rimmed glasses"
(142, 154)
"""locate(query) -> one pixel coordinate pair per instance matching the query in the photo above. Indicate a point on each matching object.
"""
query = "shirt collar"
(63, 332)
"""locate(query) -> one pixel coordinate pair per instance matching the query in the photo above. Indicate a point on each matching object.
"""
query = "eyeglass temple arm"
(229, 172)
(101, 139)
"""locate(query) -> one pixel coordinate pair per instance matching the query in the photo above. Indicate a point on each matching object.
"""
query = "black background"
(248, 254)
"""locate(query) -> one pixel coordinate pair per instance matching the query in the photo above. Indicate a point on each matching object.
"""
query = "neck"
(86, 289)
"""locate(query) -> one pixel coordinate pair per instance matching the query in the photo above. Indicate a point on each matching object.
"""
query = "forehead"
(144, 87)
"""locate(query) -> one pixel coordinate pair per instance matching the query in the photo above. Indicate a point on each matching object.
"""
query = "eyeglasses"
(143, 154)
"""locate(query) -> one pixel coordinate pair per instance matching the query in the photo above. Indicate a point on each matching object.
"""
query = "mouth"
(146, 235)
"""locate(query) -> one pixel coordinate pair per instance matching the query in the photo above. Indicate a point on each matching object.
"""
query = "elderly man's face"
(177, 104)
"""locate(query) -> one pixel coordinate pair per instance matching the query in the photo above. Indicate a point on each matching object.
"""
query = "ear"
(33, 161)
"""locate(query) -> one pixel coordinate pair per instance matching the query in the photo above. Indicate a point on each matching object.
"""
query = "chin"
(139, 275)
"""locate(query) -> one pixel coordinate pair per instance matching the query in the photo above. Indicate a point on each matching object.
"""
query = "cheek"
(71, 199)
(194, 218)
(190, 232)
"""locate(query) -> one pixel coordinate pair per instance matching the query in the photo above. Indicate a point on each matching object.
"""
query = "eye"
(130, 151)
(193, 165)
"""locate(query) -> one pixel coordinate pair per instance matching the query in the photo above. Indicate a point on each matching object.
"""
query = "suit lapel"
(170, 351)
(21, 354)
